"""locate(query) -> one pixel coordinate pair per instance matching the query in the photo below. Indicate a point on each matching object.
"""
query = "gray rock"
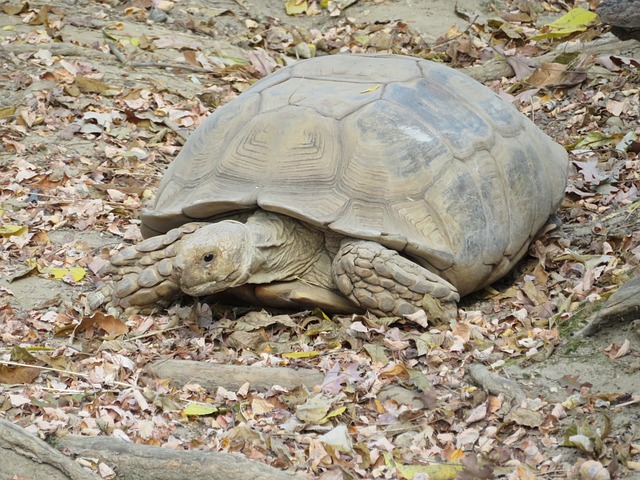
(157, 15)
(620, 13)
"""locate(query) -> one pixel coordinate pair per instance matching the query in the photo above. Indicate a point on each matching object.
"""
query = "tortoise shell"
(402, 151)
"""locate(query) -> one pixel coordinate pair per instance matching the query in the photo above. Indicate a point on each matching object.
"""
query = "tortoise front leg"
(388, 284)
(142, 274)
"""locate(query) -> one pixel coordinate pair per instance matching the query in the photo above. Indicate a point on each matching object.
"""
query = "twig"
(182, 66)
(241, 4)
(633, 401)
(117, 53)
(156, 332)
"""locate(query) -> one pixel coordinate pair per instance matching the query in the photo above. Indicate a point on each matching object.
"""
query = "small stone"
(157, 15)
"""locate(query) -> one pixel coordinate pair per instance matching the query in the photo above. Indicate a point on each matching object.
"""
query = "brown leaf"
(109, 323)
(15, 9)
(614, 350)
(261, 61)
(15, 375)
(396, 370)
(190, 58)
(463, 331)
(548, 74)
(42, 18)
(526, 417)
(521, 17)
(91, 85)
(520, 66)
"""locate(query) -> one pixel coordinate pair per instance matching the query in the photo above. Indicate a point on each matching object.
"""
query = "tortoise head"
(214, 258)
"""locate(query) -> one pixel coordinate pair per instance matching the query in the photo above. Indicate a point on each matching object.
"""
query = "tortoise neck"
(283, 248)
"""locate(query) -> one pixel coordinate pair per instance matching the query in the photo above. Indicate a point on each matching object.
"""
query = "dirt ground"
(574, 363)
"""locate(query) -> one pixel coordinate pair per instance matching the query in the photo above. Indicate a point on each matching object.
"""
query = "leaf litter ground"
(96, 100)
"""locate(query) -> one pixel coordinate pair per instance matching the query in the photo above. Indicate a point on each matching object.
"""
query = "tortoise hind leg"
(386, 283)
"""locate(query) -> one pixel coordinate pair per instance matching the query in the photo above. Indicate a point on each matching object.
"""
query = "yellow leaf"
(135, 41)
(443, 471)
(77, 273)
(319, 313)
(313, 353)
(10, 230)
(333, 413)
(457, 454)
(576, 20)
(296, 7)
(199, 409)
(370, 89)
(7, 112)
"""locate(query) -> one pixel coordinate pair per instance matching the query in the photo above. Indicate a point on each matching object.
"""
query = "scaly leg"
(142, 274)
(388, 284)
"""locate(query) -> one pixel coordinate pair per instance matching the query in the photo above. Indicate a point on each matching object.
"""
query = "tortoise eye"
(208, 257)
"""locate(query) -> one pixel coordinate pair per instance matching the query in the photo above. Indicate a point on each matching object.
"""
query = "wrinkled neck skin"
(284, 248)
(267, 248)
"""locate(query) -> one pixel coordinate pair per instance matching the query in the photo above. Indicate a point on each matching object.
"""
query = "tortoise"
(351, 182)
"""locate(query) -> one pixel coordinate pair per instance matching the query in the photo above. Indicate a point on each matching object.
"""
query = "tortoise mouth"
(202, 290)
(210, 287)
